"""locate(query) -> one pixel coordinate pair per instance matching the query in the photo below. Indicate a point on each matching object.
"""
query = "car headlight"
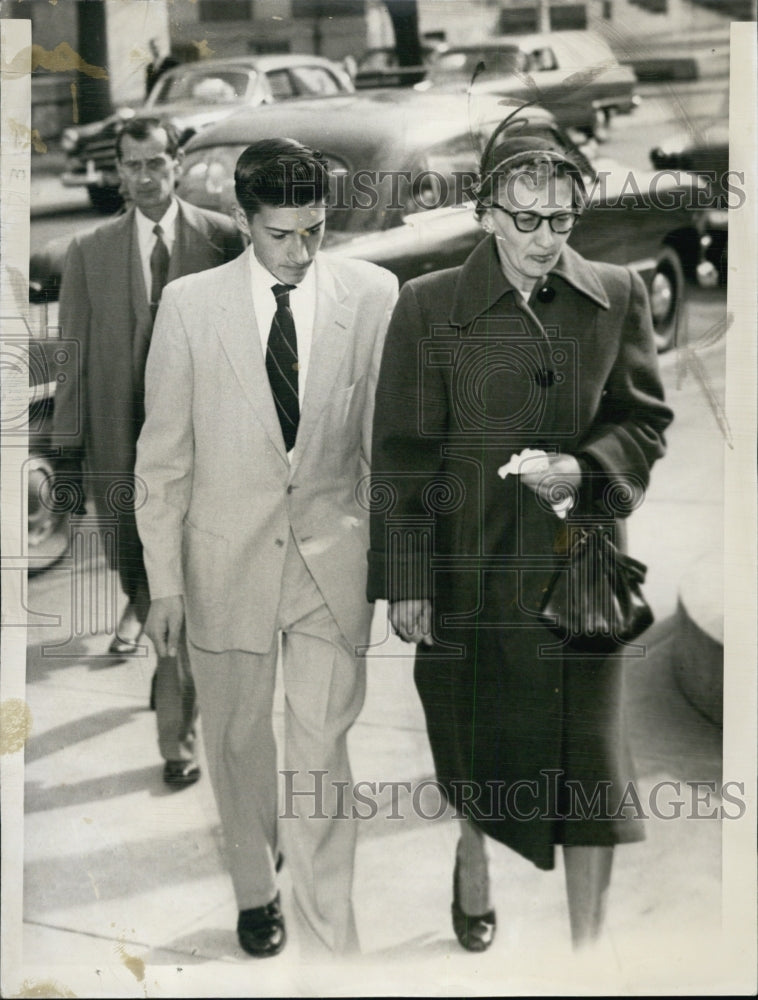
(69, 140)
(717, 218)
(208, 177)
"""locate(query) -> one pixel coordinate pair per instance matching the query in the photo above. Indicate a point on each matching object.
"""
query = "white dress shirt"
(302, 304)
(146, 238)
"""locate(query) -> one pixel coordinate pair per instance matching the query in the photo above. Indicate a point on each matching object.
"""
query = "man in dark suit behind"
(112, 281)
(157, 66)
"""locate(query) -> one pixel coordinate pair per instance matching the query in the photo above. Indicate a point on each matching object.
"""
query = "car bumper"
(91, 177)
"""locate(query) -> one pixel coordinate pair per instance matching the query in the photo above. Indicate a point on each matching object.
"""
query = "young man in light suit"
(113, 278)
(259, 401)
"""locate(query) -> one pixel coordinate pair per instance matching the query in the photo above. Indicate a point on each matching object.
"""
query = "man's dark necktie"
(158, 269)
(159, 259)
(282, 366)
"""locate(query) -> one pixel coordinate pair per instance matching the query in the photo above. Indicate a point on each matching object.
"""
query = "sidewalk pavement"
(126, 892)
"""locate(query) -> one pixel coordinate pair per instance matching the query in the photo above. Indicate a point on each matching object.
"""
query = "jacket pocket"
(206, 567)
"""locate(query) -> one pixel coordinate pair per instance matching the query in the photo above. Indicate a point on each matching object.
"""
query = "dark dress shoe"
(180, 773)
(260, 930)
(127, 634)
(473, 933)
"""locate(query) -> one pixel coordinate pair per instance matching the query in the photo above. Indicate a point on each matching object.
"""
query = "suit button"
(290, 489)
(280, 542)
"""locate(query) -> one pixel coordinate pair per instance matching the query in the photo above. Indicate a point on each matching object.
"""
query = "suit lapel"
(192, 251)
(237, 330)
(139, 297)
(331, 331)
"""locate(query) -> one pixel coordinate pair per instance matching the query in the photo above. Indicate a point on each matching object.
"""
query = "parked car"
(43, 361)
(379, 67)
(192, 97)
(573, 73)
(705, 154)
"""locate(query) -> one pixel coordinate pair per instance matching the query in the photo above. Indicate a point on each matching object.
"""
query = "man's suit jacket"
(104, 308)
(221, 492)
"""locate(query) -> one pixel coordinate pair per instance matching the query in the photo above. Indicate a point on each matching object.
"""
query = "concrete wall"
(130, 26)
(271, 27)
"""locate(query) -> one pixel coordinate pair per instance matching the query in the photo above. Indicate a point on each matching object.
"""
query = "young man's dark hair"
(140, 129)
(280, 172)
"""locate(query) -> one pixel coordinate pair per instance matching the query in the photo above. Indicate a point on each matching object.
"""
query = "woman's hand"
(412, 620)
(562, 470)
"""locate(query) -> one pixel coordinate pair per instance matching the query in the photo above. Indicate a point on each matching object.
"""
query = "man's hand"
(412, 620)
(546, 482)
(164, 624)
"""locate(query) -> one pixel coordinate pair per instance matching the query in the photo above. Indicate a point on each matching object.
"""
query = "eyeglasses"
(529, 222)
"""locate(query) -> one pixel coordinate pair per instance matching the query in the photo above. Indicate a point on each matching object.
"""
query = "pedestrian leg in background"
(176, 714)
(172, 689)
(131, 573)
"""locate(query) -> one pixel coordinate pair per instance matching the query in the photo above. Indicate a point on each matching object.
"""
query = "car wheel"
(105, 199)
(666, 291)
(47, 519)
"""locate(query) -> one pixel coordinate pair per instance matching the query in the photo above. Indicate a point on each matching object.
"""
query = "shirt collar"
(481, 281)
(167, 222)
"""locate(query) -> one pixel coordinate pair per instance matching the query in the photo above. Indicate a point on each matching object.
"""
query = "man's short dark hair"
(140, 129)
(281, 173)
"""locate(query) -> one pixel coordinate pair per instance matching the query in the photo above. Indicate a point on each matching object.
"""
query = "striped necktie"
(282, 365)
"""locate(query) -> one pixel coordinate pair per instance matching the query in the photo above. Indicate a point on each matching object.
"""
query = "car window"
(541, 60)
(207, 87)
(380, 59)
(581, 51)
(444, 175)
(496, 61)
(281, 84)
(315, 80)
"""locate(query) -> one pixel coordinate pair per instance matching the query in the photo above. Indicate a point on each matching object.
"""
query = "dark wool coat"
(525, 737)
(104, 308)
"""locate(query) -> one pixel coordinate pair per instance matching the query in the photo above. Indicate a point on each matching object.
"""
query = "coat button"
(280, 542)
(290, 489)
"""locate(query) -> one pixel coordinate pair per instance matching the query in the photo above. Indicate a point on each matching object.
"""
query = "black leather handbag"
(594, 600)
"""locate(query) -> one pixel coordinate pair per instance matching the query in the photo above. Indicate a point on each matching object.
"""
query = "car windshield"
(463, 62)
(206, 86)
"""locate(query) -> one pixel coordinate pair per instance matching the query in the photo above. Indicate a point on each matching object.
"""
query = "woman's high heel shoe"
(473, 933)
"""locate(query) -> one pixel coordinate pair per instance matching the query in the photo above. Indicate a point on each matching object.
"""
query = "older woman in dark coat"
(526, 345)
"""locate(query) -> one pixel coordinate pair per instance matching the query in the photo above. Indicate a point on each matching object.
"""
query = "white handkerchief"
(535, 460)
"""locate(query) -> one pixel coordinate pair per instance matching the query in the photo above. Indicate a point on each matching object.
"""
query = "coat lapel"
(237, 330)
(333, 322)
(193, 250)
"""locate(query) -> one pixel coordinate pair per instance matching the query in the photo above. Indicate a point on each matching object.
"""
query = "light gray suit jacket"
(221, 492)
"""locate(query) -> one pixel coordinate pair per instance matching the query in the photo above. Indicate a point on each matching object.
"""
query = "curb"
(665, 68)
